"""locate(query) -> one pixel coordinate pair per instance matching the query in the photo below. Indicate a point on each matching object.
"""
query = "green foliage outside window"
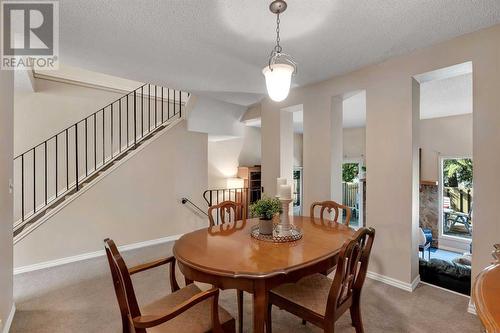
(457, 172)
(350, 172)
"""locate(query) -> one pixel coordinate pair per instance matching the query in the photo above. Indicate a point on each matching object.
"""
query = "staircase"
(56, 170)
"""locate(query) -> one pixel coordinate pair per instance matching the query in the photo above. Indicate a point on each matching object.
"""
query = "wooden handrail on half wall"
(486, 294)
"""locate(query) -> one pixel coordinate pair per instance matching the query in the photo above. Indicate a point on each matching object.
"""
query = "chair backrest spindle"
(234, 211)
(351, 271)
(329, 207)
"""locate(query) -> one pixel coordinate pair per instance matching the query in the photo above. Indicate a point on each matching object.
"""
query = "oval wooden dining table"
(228, 257)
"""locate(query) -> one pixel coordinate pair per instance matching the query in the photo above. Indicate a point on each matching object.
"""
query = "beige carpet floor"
(79, 297)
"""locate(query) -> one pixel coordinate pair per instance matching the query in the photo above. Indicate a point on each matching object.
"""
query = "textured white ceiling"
(218, 47)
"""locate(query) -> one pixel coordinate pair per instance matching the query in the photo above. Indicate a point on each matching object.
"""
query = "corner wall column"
(277, 146)
(336, 148)
(322, 149)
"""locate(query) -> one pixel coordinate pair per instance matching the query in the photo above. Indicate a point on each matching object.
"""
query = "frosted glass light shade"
(278, 81)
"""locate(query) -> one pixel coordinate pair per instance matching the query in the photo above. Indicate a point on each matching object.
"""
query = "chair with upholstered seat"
(321, 300)
(186, 309)
(225, 212)
(330, 206)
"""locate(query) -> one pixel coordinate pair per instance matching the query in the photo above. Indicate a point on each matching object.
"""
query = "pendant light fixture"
(281, 66)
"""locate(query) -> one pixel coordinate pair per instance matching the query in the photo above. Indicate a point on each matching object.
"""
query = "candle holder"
(284, 228)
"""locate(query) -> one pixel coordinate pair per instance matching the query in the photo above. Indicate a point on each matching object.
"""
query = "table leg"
(260, 300)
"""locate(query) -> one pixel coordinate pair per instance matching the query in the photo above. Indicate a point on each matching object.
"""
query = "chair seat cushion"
(197, 319)
(310, 292)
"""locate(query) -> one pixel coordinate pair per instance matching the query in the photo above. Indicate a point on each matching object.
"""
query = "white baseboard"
(471, 308)
(415, 283)
(394, 282)
(8, 321)
(90, 255)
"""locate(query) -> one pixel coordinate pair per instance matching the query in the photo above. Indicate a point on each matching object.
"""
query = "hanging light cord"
(278, 48)
(277, 53)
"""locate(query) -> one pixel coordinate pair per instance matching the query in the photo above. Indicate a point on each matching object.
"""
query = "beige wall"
(298, 149)
(216, 118)
(354, 143)
(447, 136)
(225, 156)
(390, 144)
(138, 201)
(6, 205)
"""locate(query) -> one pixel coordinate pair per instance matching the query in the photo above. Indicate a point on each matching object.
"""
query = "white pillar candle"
(279, 182)
(285, 192)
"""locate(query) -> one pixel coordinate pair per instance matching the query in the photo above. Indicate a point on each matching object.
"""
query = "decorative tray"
(295, 235)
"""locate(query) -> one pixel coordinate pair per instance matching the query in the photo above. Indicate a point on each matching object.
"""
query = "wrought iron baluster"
(103, 139)
(120, 123)
(149, 108)
(34, 180)
(22, 187)
(76, 158)
(128, 140)
(45, 150)
(142, 111)
(135, 119)
(162, 102)
(86, 151)
(57, 165)
(112, 146)
(180, 104)
(67, 161)
(95, 143)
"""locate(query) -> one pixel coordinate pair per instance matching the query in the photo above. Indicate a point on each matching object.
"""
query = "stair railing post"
(135, 118)
(180, 105)
(76, 157)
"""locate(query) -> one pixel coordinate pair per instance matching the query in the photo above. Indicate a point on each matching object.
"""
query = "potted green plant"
(266, 209)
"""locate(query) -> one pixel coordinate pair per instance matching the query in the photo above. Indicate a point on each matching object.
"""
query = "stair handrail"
(186, 200)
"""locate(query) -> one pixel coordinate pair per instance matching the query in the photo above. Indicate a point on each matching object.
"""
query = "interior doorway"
(446, 185)
(353, 152)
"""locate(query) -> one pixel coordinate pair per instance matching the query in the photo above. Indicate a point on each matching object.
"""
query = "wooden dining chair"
(226, 211)
(186, 309)
(330, 206)
(233, 211)
(321, 300)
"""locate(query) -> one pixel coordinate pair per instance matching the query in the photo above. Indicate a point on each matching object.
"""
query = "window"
(457, 197)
